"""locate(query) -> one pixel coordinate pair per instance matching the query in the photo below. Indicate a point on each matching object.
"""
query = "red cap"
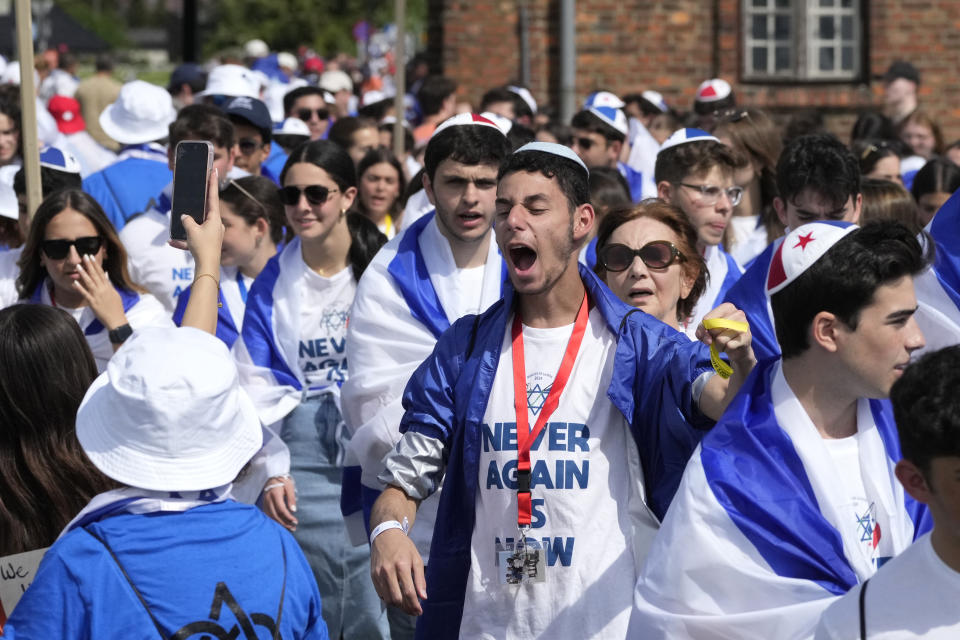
(66, 111)
(313, 65)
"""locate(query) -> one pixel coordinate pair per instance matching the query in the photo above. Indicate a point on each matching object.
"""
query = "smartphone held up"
(193, 161)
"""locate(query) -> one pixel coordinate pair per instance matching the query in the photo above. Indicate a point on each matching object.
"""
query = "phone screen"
(190, 171)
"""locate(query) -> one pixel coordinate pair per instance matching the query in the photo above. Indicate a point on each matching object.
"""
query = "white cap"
(554, 148)
(603, 99)
(683, 136)
(9, 208)
(256, 49)
(612, 116)
(142, 113)
(169, 414)
(713, 90)
(54, 158)
(335, 80)
(505, 124)
(802, 248)
(525, 95)
(287, 60)
(466, 119)
(232, 80)
(656, 99)
(292, 127)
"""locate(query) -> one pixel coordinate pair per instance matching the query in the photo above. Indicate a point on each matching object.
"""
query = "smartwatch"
(120, 334)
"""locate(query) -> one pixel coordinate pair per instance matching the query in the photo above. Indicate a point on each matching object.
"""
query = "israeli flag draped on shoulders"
(757, 509)
(232, 298)
(723, 272)
(408, 296)
(749, 294)
(938, 287)
(267, 359)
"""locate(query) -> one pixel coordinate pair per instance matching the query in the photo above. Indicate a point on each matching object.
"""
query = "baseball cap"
(66, 111)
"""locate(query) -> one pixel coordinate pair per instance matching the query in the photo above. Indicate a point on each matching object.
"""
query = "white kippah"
(466, 119)
(555, 149)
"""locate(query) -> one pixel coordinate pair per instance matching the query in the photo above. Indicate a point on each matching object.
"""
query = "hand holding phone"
(193, 161)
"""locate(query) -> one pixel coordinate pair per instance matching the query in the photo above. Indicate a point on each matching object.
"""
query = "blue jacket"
(216, 568)
(446, 398)
(749, 294)
(125, 188)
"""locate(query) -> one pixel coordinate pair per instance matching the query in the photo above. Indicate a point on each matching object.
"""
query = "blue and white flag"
(723, 272)
(752, 545)
(938, 288)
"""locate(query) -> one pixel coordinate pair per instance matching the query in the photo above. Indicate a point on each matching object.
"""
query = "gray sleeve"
(699, 384)
(416, 465)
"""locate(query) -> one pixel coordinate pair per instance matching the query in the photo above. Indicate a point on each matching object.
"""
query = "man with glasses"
(253, 127)
(694, 172)
(818, 178)
(599, 133)
(309, 104)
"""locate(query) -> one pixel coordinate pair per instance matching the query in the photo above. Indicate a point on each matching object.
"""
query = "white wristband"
(386, 526)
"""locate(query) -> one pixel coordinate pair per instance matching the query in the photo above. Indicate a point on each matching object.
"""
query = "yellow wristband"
(723, 369)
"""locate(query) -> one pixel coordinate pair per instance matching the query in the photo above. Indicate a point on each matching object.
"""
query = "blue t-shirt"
(215, 569)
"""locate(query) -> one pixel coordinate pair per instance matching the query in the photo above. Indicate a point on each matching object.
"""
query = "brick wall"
(672, 45)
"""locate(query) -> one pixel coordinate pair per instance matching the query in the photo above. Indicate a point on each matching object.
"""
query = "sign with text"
(16, 574)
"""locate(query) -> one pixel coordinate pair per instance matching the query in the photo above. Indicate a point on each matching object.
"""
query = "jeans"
(351, 607)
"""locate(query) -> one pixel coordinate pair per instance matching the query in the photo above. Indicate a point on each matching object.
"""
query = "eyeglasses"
(249, 145)
(305, 114)
(316, 194)
(711, 194)
(58, 249)
(584, 143)
(658, 254)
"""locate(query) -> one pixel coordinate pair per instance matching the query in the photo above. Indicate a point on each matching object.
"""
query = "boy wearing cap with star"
(547, 416)
(694, 172)
(792, 499)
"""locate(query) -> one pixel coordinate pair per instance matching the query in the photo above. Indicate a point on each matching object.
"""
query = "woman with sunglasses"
(73, 259)
(647, 256)
(292, 363)
(253, 221)
(378, 195)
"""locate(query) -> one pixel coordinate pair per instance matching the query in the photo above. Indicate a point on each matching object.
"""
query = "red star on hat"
(803, 241)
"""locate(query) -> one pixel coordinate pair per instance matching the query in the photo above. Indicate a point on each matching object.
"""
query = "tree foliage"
(324, 25)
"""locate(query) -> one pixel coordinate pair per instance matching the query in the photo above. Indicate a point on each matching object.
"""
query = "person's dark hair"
(66, 61)
(886, 200)
(926, 407)
(103, 62)
(341, 131)
(379, 156)
(387, 127)
(675, 164)
(51, 181)
(32, 272)
(844, 280)
(647, 108)
(433, 91)
(937, 176)
(495, 95)
(289, 99)
(559, 131)
(694, 268)
(10, 233)
(202, 122)
(806, 122)
(255, 197)
(591, 122)
(873, 125)
(10, 107)
(46, 479)
(608, 190)
(520, 135)
(520, 107)
(822, 164)
(953, 145)
(365, 240)
(870, 151)
(327, 155)
(570, 176)
(468, 144)
(707, 108)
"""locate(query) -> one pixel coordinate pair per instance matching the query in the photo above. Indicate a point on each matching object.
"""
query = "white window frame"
(803, 41)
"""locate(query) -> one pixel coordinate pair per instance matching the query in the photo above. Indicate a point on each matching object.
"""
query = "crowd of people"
(643, 374)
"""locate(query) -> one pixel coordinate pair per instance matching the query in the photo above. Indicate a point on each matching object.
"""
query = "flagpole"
(29, 146)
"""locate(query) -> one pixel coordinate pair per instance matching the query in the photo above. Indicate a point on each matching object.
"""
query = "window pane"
(782, 58)
(846, 58)
(759, 30)
(826, 58)
(846, 27)
(760, 59)
(826, 3)
(760, 3)
(781, 27)
(827, 31)
(783, 4)
(846, 3)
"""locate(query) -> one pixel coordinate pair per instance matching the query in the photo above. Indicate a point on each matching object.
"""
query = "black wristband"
(120, 334)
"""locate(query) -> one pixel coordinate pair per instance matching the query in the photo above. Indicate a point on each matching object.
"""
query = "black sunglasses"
(316, 194)
(58, 249)
(304, 114)
(584, 143)
(249, 145)
(658, 254)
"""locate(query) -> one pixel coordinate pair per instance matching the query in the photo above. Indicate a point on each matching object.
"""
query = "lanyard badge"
(524, 563)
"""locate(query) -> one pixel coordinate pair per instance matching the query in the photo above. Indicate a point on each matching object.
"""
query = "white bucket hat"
(142, 113)
(232, 80)
(168, 414)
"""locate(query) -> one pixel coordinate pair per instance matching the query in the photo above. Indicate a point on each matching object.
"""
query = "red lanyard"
(525, 436)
